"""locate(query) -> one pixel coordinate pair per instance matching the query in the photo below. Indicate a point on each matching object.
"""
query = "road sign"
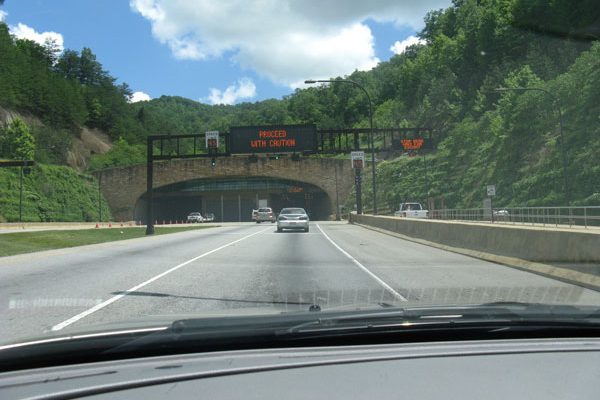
(358, 159)
(274, 139)
(212, 139)
(412, 144)
(491, 190)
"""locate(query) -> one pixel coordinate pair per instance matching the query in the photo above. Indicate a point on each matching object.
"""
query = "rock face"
(7, 115)
(90, 141)
(85, 143)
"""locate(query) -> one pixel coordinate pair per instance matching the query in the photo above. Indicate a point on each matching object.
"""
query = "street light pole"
(556, 103)
(337, 196)
(21, 195)
(371, 140)
(99, 200)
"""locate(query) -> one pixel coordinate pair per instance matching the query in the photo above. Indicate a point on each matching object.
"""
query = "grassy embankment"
(28, 242)
(51, 193)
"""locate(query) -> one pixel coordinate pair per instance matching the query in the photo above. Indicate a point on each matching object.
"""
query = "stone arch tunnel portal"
(232, 199)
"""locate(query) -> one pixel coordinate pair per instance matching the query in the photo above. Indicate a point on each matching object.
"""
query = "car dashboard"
(491, 369)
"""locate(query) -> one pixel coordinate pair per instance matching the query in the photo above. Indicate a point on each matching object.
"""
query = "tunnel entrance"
(233, 199)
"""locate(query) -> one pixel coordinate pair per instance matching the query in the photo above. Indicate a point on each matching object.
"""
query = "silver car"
(292, 218)
(265, 214)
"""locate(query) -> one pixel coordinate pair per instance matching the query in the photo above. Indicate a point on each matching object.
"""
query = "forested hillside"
(510, 139)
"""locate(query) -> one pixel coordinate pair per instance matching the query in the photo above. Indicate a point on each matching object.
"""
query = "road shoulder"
(562, 274)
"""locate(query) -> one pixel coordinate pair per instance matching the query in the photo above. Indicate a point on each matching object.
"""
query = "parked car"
(293, 218)
(501, 215)
(265, 214)
(412, 210)
(209, 217)
(254, 215)
(195, 217)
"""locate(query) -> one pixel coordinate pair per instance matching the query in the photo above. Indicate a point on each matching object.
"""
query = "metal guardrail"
(585, 216)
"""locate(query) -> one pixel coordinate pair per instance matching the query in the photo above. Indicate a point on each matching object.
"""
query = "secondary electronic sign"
(272, 139)
(412, 144)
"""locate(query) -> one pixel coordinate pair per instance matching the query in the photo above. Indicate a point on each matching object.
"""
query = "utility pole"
(149, 177)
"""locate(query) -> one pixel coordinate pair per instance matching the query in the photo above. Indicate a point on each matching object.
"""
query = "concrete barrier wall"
(527, 243)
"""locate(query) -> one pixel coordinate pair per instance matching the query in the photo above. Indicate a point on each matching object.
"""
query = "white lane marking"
(89, 335)
(387, 287)
(100, 306)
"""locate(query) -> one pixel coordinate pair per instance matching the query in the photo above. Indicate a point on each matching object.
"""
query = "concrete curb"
(562, 274)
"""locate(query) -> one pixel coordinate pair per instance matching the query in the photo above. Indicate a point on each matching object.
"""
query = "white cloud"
(286, 41)
(139, 96)
(399, 47)
(243, 89)
(3, 15)
(22, 31)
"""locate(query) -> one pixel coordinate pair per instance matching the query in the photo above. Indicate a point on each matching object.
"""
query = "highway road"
(249, 268)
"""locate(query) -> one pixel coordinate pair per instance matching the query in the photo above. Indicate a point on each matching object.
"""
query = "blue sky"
(200, 48)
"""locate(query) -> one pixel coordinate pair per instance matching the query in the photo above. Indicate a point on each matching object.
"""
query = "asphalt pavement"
(249, 268)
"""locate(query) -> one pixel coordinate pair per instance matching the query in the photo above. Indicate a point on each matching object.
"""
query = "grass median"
(28, 242)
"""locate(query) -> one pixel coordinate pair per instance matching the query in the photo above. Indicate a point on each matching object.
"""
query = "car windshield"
(166, 161)
(411, 206)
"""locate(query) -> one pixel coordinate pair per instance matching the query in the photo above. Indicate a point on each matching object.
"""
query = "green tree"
(17, 141)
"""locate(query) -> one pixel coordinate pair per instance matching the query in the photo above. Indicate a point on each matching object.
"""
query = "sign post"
(358, 163)
(491, 192)
(149, 184)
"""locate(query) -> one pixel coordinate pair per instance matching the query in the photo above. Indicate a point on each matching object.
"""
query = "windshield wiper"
(324, 328)
(489, 314)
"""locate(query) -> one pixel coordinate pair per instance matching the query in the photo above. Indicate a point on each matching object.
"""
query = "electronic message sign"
(272, 139)
(413, 144)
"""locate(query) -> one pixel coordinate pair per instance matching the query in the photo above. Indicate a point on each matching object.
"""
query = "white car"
(412, 210)
(195, 217)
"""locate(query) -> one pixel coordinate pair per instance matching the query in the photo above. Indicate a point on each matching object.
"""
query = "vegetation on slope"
(510, 139)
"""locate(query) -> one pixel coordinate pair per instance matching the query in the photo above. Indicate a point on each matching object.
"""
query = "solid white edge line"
(387, 287)
(84, 336)
(105, 303)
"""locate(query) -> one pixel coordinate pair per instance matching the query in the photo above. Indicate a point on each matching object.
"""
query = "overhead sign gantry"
(275, 140)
